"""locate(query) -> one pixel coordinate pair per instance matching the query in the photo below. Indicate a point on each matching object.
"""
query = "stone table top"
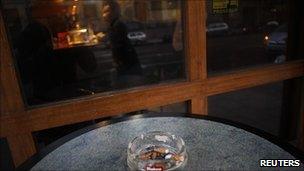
(210, 146)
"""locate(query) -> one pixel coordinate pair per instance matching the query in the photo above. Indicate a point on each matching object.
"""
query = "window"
(68, 49)
(156, 23)
(259, 107)
(244, 33)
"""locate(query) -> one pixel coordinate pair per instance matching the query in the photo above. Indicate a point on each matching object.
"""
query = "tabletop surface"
(210, 146)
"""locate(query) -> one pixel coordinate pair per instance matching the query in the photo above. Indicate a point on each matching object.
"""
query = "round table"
(211, 143)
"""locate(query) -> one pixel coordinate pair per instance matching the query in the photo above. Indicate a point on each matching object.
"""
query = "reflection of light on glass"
(58, 1)
(266, 38)
(82, 30)
(78, 36)
(74, 8)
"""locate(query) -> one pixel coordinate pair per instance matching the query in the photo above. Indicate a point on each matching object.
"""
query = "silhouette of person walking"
(126, 62)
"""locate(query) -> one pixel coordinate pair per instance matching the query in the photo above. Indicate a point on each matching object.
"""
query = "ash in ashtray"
(159, 153)
(159, 156)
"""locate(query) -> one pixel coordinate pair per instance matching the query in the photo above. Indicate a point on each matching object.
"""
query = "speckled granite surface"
(210, 146)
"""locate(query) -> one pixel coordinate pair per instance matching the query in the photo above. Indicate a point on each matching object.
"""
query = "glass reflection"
(70, 48)
(129, 71)
(242, 33)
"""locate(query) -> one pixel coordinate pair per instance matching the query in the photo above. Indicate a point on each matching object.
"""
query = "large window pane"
(71, 48)
(243, 33)
(259, 107)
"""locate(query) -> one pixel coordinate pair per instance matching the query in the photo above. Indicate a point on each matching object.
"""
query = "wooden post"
(301, 132)
(10, 95)
(196, 57)
(11, 102)
(291, 109)
(22, 147)
(290, 118)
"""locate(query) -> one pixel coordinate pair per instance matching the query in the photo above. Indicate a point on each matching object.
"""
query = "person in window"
(35, 59)
(49, 75)
(126, 62)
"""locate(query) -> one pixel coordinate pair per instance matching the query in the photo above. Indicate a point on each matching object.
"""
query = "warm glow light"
(58, 1)
(74, 9)
(266, 37)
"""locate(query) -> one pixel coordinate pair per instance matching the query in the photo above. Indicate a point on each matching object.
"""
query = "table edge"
(33, 160)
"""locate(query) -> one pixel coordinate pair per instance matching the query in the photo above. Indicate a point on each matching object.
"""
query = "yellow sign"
(224, 6)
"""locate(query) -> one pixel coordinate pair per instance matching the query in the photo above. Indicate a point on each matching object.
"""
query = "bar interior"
(151, 85)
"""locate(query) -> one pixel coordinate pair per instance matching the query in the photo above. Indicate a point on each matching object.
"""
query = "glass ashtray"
(157, 151)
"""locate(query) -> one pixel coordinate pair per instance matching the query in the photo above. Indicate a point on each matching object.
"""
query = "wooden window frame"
(18, 122)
